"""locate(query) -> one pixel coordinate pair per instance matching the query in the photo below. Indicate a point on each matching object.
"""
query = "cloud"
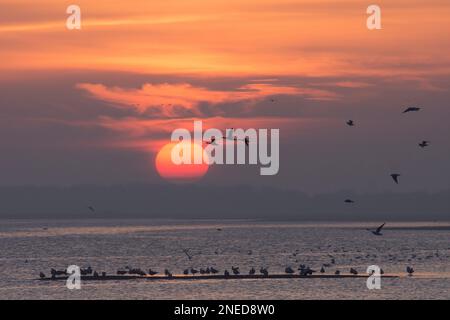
(184, 100)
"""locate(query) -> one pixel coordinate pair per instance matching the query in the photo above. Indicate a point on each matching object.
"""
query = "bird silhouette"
(212, 141)
(235, 270)
(411, 109)
(353, 271)
(410, 270)
(350, 123)
(424, 144)
(91, 208)
(377, 231)
(186, 252)
(214, 271)
(152, 273)
(395, 177)
(193, 271)
(289, 270)
(349, 201)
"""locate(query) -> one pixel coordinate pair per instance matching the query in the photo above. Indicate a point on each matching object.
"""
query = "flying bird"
(186, 252)
(91, 208)
(212, 141)
(230, 135)
(350, 123)
(411, 109)
(424, 144)
(246, 140)
(349, 201)
(395, 177)
(377, 232)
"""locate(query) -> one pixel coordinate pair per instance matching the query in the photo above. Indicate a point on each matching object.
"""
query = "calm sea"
(30, 246)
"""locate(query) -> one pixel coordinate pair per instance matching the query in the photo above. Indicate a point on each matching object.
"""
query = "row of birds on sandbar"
(302, 269)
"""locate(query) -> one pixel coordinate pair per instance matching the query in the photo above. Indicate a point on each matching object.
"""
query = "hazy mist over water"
(213, 202)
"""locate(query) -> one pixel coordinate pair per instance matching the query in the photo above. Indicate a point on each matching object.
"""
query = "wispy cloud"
(184, 100)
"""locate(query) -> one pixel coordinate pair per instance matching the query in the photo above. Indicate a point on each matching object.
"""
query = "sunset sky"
(95, 105)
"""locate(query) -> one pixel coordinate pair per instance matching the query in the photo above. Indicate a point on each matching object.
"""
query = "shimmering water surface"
(28, 247)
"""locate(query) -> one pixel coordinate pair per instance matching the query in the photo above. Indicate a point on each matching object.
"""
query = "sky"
(94, 106)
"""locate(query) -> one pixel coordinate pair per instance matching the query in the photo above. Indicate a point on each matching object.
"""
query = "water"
(28, 247)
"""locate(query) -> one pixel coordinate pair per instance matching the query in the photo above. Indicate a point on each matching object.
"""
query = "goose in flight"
(91, 208)
(411, 109)
(350, 123)
(349, 201)
(395, 177)
(377, 231)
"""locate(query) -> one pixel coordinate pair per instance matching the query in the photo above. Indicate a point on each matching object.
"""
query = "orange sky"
(228, 37)
(140, 68)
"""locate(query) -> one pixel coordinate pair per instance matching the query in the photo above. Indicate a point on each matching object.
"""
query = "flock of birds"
(395, 176)
(303, 269)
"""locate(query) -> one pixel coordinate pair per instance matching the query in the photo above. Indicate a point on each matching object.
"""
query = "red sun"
(182, 172)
